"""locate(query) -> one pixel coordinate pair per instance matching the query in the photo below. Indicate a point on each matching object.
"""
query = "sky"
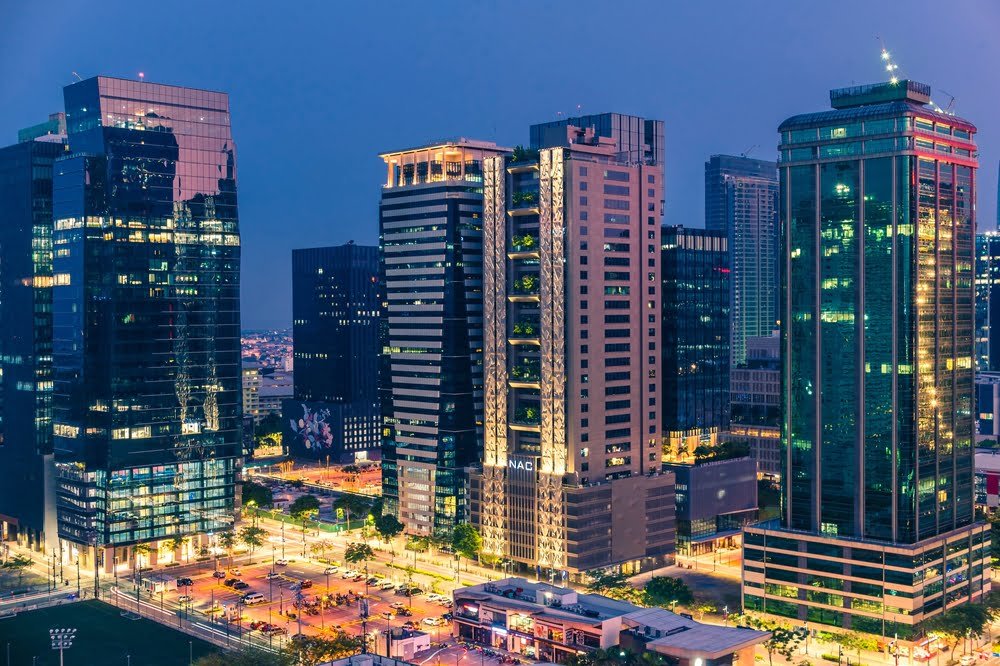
(318, 89)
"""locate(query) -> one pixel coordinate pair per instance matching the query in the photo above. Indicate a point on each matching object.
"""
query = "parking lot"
(275, 601)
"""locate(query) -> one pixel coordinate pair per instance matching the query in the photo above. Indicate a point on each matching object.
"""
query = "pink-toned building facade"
(571, 477)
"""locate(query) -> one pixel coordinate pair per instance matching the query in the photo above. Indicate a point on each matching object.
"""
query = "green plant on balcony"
(527, 371)
(525, 329)
(525, 243)
(526, 284)
(527, 415)
(524, 198)
(522, 154)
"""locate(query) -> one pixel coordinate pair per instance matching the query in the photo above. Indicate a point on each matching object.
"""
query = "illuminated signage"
(526, 465)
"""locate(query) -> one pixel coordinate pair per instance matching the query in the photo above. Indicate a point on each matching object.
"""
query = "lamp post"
(62, 639)
(78, 575)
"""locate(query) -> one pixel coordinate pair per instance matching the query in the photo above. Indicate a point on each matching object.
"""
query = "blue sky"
(318, 89)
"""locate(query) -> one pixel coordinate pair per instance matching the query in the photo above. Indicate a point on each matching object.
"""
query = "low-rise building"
(550, 623)
(403, 643)
(988, 478)
(714, 500)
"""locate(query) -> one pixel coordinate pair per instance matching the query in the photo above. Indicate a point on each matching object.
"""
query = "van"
(253, 598)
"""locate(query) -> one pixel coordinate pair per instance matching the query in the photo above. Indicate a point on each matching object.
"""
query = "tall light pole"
(62, 639)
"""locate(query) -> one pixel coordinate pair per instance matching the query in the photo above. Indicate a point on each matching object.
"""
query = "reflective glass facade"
(26, 345)
(988, 301)
(146, 320)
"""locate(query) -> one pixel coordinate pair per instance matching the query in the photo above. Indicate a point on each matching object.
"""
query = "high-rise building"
(27, 493)
(431, 374)
(988, 301)
(755, 403)
(571, 360)
(877, 530)
(335, 315)
(695, 326)
(741, 201)
(146, 316)
(637, 140)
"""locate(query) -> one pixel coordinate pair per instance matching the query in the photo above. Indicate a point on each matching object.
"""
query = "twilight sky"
(318, 89)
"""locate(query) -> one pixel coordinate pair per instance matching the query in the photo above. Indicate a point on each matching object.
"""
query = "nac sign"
(526, 465)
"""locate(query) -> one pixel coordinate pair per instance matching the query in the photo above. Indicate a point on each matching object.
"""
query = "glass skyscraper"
(27, 498)
(877, 530)
(431, 374)
(335, 330)
(988, 301)
(146, 315)
(741, 202)
(695, 323)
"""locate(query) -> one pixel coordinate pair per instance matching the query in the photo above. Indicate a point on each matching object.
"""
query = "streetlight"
(62, 639)
(78, 575)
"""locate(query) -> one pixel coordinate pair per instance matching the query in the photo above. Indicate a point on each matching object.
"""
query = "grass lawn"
(103, 637)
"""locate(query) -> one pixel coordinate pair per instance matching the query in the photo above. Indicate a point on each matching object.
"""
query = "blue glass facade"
(146, 319)
(988, 301)
(26, 503)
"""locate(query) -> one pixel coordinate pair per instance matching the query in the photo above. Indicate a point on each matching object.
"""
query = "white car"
(432, 621)
(349, 574)
(386, 585)
(434, 596)
(281, 562)
(331, 570)
(184, 598)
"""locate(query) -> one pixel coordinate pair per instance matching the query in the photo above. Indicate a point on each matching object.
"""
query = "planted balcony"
(524, 243)
(522, 155)
(525, 329)
(527, 416)
(526, 285)
(525, 372)
(524, 199)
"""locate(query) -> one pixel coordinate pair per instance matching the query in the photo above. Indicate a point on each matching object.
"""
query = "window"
(619, 218)
(583, 171)
(583, 201)
(617, 190)
(583, 231)
(583, 275)
(616, 204)
(584, 319)
(583, 186)
(620, 176)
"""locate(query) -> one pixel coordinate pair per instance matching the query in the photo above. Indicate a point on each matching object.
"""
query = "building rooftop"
(556, 600)
(678, 636)
(455, 142)
(987, 460)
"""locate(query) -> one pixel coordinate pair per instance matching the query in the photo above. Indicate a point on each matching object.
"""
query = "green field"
(103, 637)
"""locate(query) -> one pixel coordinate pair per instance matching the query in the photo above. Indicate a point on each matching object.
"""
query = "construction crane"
(746, 153)
(951, 103)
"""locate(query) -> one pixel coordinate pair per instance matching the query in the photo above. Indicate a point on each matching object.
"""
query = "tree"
(257, 493)
(313, 650)
(783, 640)
(858, 642)
(359, 552)
(958, 623)
(227, 540)
(466, 542)
(18, 563)
(612, 584)
(139, 549)
(304, 506)
(704, 605)
(253, 537)
(351, 505)
(388, 527)
(666, 591)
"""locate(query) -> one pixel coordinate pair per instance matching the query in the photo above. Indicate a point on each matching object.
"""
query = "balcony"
(525, 375)
(523, 159)
(528, 419)
(525, 333)
(524, 247)
(525, 289)
(523, 203)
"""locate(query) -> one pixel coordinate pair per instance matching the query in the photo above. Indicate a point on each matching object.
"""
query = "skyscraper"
(571, 355)
(988, 301)
(431, 377)
(146, 311)
(638, 140)
(335, 317)
(741, 201)
(695, 324)
(877, 530)
(27, 493)
(755, 403)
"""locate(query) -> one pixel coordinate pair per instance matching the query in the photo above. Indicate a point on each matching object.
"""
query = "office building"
(571, 355)
(431, 376)
(695, 328)
(553, 624)
(755, 403)
(146, 316)
(715, 499)
(27, 492)
(335, 326)
(637, 140)
(988, 479)
(988, 301)
(252, 380)
(987, 407)
(741, 201)
(877, 529)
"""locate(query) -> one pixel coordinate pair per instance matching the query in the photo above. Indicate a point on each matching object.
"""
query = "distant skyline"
(318, 90)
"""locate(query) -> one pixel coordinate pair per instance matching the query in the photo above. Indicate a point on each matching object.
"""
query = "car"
(275, 630)
(229, 582)
(373, 580)
(281, 562)
(432, 621)
(240, 585)
(331, 570)
(386, 585)
(397, 605)
(434, 596)
(305, 584)
(447, 617)
(235, 572)
(271, 575)
(349, 573)
(253, 598)
(414, 591)
(447, 603)
(184, 582)
(218, 574)
(404, 612)
(409, 624)
(184, 598)
(360, 577)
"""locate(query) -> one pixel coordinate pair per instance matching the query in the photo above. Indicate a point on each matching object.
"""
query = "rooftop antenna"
(746, 153)
(78, 77)
(951, 104)
(890, 66)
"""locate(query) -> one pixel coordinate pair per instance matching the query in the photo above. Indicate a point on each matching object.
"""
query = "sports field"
(103, 637)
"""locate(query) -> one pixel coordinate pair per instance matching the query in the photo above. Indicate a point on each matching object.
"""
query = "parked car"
(331, 570)
(397, 605)
(184, 598)
(229, 582)
(253, 598)
(349, 573)
(281, 562)
(235, 572)
(218, 574)
(432, 621)
(240, 585)
(404, 612)
(306, 584)
(271, 575)
(386, 585)
(184, 582)
(409, 625)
